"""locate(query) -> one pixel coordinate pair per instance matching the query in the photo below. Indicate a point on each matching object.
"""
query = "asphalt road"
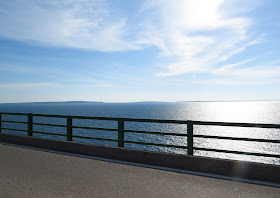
(31, 173)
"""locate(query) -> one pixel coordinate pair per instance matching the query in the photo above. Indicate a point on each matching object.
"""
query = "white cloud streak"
(100, 85)
(258, 72)
(25, 85)
(225, 68)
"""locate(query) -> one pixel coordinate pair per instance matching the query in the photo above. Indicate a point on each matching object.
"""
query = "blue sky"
(144, 50)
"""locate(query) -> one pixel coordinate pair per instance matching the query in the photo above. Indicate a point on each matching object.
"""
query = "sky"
(144, 50)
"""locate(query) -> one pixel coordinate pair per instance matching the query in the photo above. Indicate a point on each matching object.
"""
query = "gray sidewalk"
(32, 173)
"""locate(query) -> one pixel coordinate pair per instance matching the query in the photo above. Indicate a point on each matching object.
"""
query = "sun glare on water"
(235, 111)
(242, 112)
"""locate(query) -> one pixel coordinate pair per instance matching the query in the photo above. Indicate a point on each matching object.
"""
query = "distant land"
(141, 102)
(60, 102)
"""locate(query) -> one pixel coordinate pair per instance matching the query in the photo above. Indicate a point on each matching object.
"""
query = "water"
(250, 112)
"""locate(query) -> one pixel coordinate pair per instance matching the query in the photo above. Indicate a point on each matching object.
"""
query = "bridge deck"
(33, 173)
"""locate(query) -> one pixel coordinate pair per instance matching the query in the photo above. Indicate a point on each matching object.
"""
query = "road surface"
(32, 173)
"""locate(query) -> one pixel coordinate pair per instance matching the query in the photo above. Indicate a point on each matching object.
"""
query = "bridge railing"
(121, 131)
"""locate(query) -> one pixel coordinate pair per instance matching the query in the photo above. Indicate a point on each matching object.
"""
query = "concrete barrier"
(232, 168)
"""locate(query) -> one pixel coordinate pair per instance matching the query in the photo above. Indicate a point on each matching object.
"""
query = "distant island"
(60, 102)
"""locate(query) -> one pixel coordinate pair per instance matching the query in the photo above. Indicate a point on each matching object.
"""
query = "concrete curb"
(232, 168)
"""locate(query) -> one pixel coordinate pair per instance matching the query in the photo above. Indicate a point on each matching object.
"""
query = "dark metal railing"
(121, 131)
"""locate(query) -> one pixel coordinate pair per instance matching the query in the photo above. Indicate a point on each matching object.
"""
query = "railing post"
(0, 122)
(69, 128)
(120, 133)
(190, 137)
(30, 124)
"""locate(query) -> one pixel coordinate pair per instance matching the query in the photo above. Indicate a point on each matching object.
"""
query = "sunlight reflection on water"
(250, 112)
(245, 112)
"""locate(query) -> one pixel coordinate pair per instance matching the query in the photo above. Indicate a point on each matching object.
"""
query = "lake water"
(249, 112)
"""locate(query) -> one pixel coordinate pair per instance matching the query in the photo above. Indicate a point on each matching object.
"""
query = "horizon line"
(141, 101)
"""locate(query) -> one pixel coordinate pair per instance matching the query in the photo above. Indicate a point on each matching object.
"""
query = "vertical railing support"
(0, 122)
(30, 124)
(69, 128)
(120, 133)
(190, 137)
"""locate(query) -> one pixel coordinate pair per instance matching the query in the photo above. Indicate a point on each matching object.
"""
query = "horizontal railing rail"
(121, 131)
(155, 133)
(233, 124)
(11, 129)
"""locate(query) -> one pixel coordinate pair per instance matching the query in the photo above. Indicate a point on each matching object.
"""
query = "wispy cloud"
(255, 79)
(226, 68)
(27, 69)
(193, 36)
(26, 85)
(235, 74)
(57, 75)
(196, 35)
(100, 85)
(89, 24)
(238, 73)
(258, 72)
